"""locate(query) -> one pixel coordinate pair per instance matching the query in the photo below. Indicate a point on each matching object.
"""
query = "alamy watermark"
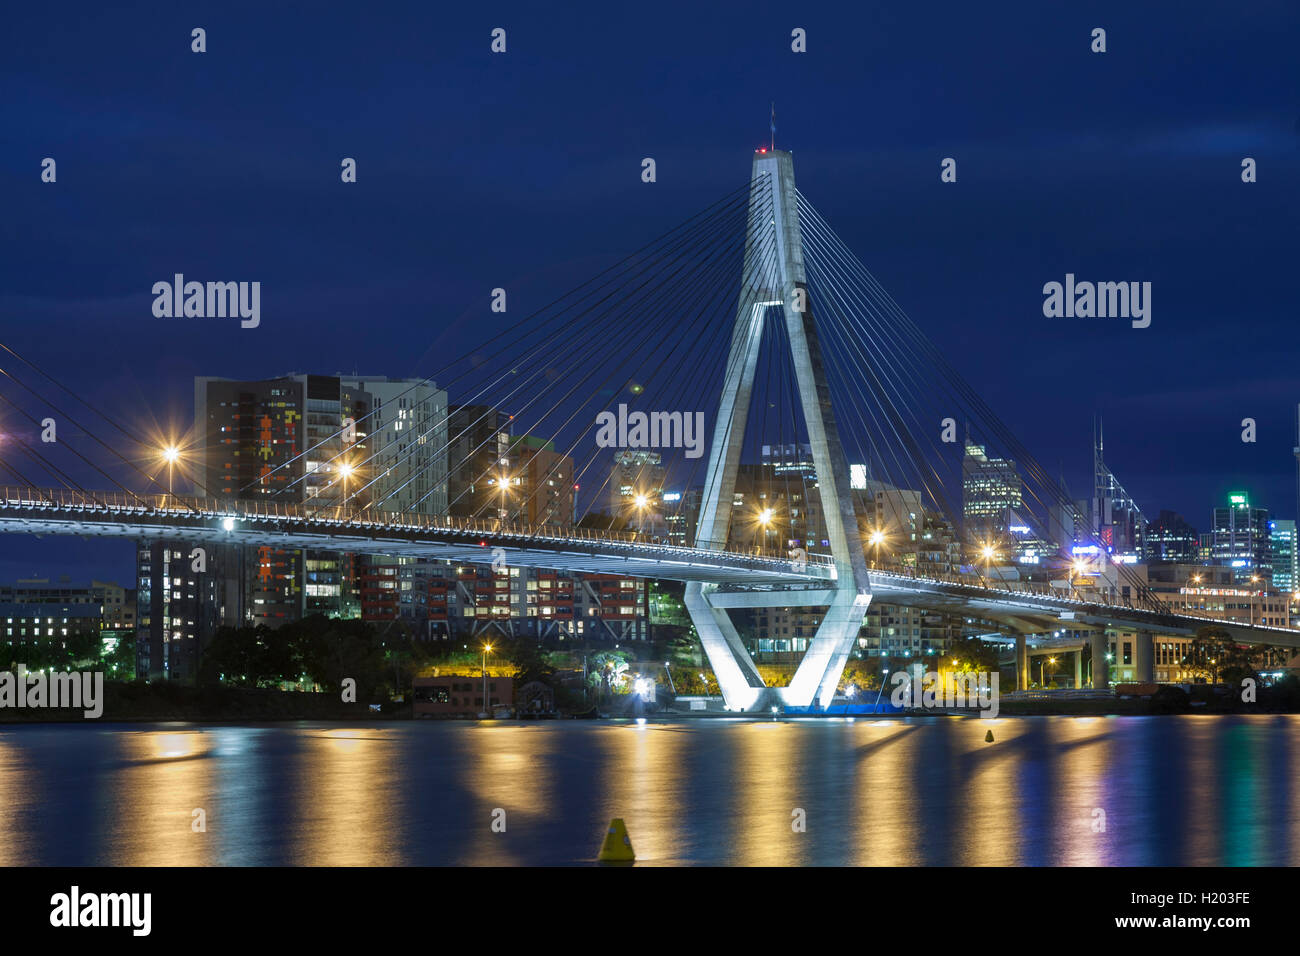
(1101, 300)
(210, 300)
(78, 909)
(76, 690)
(651, 430)
(958, 689)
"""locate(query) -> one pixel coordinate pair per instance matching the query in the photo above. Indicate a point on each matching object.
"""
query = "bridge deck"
(750, 577)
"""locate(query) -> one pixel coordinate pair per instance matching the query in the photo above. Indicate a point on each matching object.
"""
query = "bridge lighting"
(987, 552)
(228, 524)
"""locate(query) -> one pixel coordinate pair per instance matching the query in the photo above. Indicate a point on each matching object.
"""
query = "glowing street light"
(875, 539)
(346, 470)
(171, 455)
(486, 650)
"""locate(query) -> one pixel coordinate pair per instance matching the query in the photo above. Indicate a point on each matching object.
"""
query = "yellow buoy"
(988, 738)
(617, 848)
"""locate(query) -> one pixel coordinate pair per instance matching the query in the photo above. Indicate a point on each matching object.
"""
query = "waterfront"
(1178, 790)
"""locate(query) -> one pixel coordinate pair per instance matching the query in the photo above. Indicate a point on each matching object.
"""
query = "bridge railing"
(190, 506)
(991, 583)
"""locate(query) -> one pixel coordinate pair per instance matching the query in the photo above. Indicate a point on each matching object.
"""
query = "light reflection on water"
(1112, 791)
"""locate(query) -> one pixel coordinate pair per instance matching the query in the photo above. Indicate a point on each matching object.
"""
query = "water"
(1192, 790)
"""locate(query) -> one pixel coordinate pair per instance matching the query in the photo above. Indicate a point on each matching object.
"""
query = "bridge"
(858, 372)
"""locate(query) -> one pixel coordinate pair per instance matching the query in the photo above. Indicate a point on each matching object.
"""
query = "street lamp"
(170, 454)
(1042, 665)
(671, 685)
(486, 649)
(876, 539)
(345, 472)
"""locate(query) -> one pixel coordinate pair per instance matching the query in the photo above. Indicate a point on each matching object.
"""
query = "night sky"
(522, 170)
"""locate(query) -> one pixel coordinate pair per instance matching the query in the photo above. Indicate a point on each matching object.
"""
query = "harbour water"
(1114, 791)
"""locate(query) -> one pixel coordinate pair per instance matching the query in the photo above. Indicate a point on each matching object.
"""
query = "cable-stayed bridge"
(751, 318)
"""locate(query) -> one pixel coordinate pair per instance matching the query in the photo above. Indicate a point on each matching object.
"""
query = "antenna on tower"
(774, 125)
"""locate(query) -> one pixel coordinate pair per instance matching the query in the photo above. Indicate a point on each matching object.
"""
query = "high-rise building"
(479, 481)
(636, 489)
(1282, 540)
(990, 491)
(1241, 540)
(298, 439)
(1171, 538)
(545, 490)
(180, 603)
(404, 441)
(682, 515)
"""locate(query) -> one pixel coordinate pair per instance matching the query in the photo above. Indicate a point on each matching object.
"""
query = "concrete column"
(1078, 668)
(1022, 663)
(1100, 666)
(1144, 657)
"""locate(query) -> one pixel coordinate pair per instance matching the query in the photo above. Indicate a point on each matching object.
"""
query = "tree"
(530, 663)
(971, 654)
(120, 661)
(1205, 655)
(250, 657)
(333, 650)
(608, 670)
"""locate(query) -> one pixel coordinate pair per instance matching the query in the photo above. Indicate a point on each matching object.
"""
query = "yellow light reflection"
(168, 775)
(643, 782)
(348, 780)
(507, 767)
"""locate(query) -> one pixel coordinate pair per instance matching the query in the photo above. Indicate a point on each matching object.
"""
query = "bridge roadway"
(740, 578)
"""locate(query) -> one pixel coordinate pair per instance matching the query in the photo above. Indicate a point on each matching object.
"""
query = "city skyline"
(676, 435)
(1101, 191)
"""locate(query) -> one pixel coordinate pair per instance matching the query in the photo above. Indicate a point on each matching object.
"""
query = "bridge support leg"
(1078, 668)
(822, 666)
(1022, 663)
(1145, 657)
(738, 678)
(1100, 666)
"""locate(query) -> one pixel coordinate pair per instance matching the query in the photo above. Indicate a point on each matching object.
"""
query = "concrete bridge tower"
(774, 277)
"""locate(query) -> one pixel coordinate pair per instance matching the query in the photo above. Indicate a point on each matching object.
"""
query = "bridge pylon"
(774, 276)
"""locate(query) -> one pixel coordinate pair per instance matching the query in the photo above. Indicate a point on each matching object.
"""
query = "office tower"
(1171, 538)
(990, 489)
(1282, 542)
(1241, 540)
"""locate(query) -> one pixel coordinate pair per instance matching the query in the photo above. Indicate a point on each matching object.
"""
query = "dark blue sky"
(522, 170)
